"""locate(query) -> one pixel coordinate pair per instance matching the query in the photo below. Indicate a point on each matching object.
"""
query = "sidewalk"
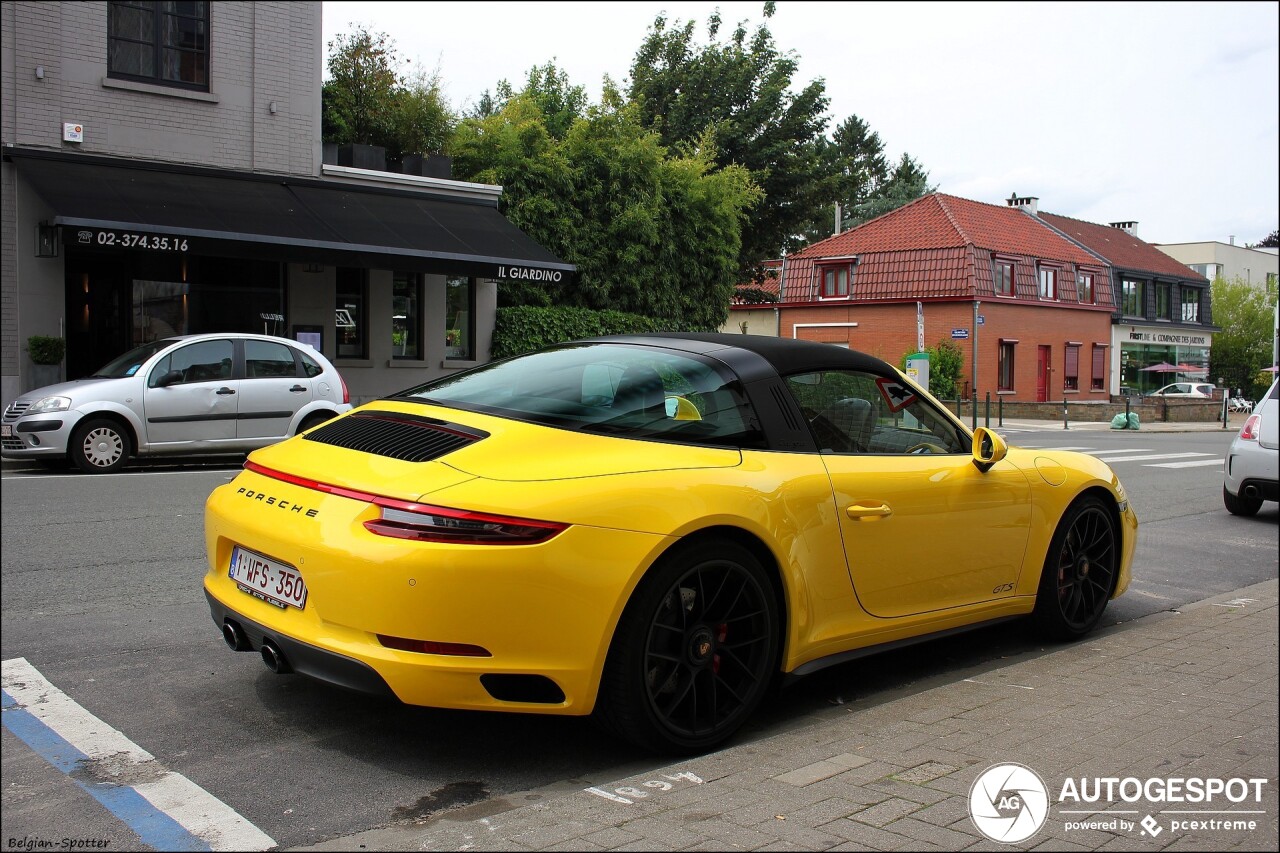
(1175, 695)
(1235, 420)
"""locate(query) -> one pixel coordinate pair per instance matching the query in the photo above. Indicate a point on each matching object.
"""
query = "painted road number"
(628, 794)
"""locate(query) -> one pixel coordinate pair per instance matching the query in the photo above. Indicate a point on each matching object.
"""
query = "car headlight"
(49, 404)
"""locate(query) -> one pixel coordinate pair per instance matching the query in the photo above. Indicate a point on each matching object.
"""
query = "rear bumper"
(1251, 467)
(304, 658)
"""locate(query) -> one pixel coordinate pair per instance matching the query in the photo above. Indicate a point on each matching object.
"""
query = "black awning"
(100, 203)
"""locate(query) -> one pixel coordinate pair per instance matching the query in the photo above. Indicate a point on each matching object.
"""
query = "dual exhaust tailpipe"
(236, 639)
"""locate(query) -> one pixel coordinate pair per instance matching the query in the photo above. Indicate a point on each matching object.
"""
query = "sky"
(1164, 113)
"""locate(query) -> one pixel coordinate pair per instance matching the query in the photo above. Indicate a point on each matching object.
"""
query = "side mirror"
(170, 378)
(988, 449)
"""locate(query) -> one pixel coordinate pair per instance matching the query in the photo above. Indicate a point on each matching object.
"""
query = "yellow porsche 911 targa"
(650, 530)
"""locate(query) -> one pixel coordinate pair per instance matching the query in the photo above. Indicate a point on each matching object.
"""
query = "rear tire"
(312, 420)
(100, 446)
(695, 651)
(1079, 571)
(1239, 504)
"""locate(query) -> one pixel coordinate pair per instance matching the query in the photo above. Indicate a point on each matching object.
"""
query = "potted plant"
(46, 354)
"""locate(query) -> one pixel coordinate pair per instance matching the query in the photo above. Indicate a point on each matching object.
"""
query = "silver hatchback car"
(210, 393)
(1252, 467)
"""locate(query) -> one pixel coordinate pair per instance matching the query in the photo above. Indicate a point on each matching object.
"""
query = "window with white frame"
(1048, 283)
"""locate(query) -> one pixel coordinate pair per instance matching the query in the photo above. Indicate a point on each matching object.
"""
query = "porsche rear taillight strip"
(430, 523)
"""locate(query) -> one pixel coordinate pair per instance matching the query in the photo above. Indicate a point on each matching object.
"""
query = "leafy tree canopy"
(652, 231)
(373, 97)
(1243, 347)
(1272, 240)
(737, 95)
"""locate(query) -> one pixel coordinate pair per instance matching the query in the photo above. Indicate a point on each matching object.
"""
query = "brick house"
(1163, 312)
(1030, 309)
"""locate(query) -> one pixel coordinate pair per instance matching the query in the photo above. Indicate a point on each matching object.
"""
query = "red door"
(1042, 374)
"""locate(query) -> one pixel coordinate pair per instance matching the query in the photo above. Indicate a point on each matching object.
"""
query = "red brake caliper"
(722, 631)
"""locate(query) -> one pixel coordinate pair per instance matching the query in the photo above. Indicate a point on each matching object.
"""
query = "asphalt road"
(101, 592)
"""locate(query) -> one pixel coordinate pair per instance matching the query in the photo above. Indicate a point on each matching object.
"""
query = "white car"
(210, 393)
(1199, 390)
(1250, 471)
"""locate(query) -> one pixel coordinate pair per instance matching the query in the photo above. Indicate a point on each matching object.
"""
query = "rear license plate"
(6, 431)
(264, 578)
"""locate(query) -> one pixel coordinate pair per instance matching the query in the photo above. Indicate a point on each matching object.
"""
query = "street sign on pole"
(960, 334)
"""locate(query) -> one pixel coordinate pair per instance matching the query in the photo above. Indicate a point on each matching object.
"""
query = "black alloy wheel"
(695, 651)
(1079, 571)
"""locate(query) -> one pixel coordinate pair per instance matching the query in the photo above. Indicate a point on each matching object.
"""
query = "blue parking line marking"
(156, 829)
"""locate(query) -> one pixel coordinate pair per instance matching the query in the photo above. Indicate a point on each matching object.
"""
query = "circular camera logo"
(1008, 803)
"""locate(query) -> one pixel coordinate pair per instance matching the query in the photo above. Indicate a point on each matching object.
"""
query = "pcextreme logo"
(1008, 803)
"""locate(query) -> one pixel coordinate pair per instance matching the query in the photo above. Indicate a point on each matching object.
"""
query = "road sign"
(959, 334)
(982, 320)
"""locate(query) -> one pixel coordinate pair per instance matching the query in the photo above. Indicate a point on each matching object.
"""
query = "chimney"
(840, 216)
(1130, 227)
(1030, 203)
(1232, 238)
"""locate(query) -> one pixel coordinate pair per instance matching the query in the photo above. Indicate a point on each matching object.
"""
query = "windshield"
(612, 389)
(128, 364)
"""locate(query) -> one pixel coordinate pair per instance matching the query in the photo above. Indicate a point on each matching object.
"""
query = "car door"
(273, 390)
(190, 396)
(923, 529)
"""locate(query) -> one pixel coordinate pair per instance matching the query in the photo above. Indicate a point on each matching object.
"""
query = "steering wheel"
(926, 447)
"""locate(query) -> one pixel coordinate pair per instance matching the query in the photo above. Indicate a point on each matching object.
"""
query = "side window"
(206, 361)
(851, 412)
(310, 366)
(268, 359)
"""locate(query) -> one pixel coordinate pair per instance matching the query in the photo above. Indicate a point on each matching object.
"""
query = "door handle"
(860, 512)
(224, 391)
(297, 388)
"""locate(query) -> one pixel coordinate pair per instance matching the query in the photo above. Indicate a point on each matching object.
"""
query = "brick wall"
(888, 331)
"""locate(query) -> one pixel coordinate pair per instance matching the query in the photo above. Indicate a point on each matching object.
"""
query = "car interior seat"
(640, 390)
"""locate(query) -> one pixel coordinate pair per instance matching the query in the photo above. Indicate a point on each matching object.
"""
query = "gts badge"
(1004, 587)
(278, 503)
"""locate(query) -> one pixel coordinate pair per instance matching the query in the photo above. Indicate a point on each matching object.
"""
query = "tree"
(1243, 347)
(855, 156)
(1272, 240)
(946, 362)
(371, 98)
(737, 94)
(908, 182)
(652, 232)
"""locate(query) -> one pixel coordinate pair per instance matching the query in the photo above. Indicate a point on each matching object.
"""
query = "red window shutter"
(1099, 362)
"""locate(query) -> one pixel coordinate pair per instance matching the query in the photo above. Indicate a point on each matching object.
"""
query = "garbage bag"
(1120, 422)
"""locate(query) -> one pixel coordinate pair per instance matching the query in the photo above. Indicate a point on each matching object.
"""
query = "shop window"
(350, 316)
(1099, 373)
(406, 316)
(1007, 349)
(1071, 367)
(1131, 297)
(1084, 283)
(459, 325)
(1003, 277)
(166, 43)
(1164, 300)
(1190, 305)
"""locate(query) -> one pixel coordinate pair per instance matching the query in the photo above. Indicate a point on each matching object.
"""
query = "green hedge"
(524, 328)
(45, 349)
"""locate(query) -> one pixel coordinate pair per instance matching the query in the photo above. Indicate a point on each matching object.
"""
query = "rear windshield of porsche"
(609, 389)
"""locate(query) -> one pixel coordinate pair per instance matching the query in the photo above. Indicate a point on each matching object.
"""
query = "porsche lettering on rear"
(278, 503)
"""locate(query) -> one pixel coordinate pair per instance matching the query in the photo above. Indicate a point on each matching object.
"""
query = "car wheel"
(1079, 571)
(1239, 504)
(312, 420)
(695, 650)
(100, 446)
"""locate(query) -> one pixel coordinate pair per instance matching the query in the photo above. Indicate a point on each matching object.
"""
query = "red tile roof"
(1121, 249)
(940, 221)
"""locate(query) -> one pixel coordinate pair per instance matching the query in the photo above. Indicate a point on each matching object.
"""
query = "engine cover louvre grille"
(409, 438)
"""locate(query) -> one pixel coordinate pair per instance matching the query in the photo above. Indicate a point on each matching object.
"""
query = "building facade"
(1163, 327)
(163, 173)
(1029, 309)
(1212, 259)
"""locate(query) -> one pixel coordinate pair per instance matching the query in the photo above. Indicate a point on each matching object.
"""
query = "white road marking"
(1146, 458)
(193, 808)
(1199, 463)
